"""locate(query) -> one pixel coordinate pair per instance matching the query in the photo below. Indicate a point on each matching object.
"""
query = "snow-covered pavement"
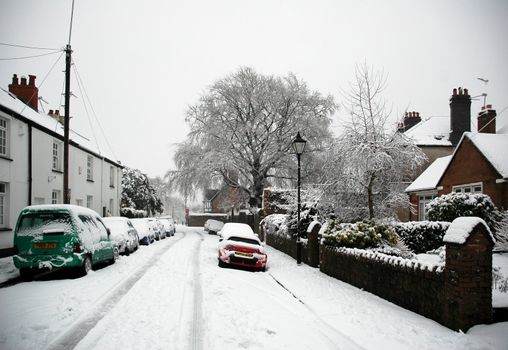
(172, 295)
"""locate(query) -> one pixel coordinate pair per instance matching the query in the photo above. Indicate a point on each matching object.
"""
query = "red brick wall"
(470, 166)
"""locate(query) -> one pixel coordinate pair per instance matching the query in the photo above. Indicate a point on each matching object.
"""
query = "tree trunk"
(370, 199)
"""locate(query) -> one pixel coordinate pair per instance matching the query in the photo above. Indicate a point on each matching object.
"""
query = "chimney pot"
(418, 114)
(454, 92)
(57, 112)
(489, 106)
(23, 80)
(50, 113)
(15, 79)
(31, 80)
(466, 92)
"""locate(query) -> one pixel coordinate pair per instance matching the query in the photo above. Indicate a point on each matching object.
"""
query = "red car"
(240, 246)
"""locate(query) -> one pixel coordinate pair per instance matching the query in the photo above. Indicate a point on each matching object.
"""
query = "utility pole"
(66, 191)
(67, 120)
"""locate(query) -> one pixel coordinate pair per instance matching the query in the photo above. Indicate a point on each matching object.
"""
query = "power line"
(31, 47)
(25, 57)
(93, 111)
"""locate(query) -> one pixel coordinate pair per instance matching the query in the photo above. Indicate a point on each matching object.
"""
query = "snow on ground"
(173, 295)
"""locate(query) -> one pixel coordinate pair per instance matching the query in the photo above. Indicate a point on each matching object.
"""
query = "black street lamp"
(298, 146)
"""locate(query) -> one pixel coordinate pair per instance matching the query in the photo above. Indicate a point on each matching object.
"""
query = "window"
(79, 202)
(422, 202)
(469, 188)
(55, 197)
(89, 168)
(89, 201)
(207, 206)
(57, 155)
(3, 205)
(111, 202)
(4, 142)
(111, 176)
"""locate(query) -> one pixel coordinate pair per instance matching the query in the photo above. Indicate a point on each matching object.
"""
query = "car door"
(90, 238)
(106, 246)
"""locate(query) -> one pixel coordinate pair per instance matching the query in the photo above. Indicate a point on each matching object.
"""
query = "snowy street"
(173, 295)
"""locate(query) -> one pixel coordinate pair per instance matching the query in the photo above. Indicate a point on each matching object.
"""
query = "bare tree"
(244, 125)
(371, 158)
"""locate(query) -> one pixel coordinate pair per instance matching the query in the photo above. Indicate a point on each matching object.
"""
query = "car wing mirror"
(108, 231)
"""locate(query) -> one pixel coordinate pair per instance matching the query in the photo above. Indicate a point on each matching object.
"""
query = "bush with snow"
(132, 213)
(359, 235)
(422, 236)
(453, 205)
(276, 224)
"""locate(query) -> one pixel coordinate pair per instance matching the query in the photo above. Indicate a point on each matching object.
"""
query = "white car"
(213, 226)
(123, 233)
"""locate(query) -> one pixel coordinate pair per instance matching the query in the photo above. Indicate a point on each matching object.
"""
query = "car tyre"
(127, 251)
(222, 263)
(86, 267)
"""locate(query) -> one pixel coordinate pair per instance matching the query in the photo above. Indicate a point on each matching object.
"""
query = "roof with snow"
(493, 147)
(12, 103)
(429, 179)
(432, 131)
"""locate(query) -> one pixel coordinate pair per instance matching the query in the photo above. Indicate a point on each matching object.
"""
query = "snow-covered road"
(172, 295)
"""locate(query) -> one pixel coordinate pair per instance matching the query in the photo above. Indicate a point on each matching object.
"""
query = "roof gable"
(429, 179)
(493, 147)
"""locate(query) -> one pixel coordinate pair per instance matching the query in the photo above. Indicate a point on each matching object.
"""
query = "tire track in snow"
(80, 328)
(330, 333)
(191, 319)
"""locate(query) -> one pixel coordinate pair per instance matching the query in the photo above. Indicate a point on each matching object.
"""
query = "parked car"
(61, 236)
(124, 233)
(213, 226)
(157, 228)
(145, 231)
(240, 246)
(169, 226)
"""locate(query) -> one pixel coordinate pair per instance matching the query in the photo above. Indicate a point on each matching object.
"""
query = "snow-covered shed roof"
(429, 179)
(432, 131)
(493, 147)
(10, 102)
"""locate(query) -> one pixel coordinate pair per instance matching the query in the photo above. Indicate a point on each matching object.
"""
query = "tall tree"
(138, 192)
(244, 126)
(370, 159)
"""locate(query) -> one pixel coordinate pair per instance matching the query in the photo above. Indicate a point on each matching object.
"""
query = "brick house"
(478, 165)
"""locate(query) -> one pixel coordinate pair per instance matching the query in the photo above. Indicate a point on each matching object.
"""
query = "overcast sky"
(144, 62)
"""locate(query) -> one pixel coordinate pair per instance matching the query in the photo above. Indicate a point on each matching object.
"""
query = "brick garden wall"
(458, 296)
(418, 290)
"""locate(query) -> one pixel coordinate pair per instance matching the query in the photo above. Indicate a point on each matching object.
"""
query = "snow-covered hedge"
(422, 236)
(359, 235)
(453, 205)
(276, 224)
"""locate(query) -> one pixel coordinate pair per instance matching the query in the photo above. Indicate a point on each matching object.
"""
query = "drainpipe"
(29, 164)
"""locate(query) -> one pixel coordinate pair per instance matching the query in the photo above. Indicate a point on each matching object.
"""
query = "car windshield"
(47, 222)
(244, 240)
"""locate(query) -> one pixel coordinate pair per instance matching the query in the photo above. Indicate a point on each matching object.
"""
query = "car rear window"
(244, 240)
(49, 223)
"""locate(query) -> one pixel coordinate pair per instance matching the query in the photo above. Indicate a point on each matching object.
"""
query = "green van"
(60, 235)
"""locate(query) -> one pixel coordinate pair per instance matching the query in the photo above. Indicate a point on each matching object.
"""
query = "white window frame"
(475, 187)
(89, 168)
(4, 137)
(111, 204)
(55, 197)
(423, 200)
(207, 206)
(56, 154)
(4, 204)
(89, 201)
(79, 202)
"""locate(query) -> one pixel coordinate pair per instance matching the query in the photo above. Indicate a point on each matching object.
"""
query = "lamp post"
(298, 146)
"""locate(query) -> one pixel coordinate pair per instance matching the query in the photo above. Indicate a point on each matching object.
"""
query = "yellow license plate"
(247, 255)
(45, 245)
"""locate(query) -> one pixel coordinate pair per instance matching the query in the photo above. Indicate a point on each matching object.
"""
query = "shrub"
(453, 205)
(359, 235)
(422, 236)
(132, 213)
(275, 224)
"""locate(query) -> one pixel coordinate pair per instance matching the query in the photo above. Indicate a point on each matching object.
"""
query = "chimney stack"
(487, 120)
(410, 120)
(460, 114)
(27, 93)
